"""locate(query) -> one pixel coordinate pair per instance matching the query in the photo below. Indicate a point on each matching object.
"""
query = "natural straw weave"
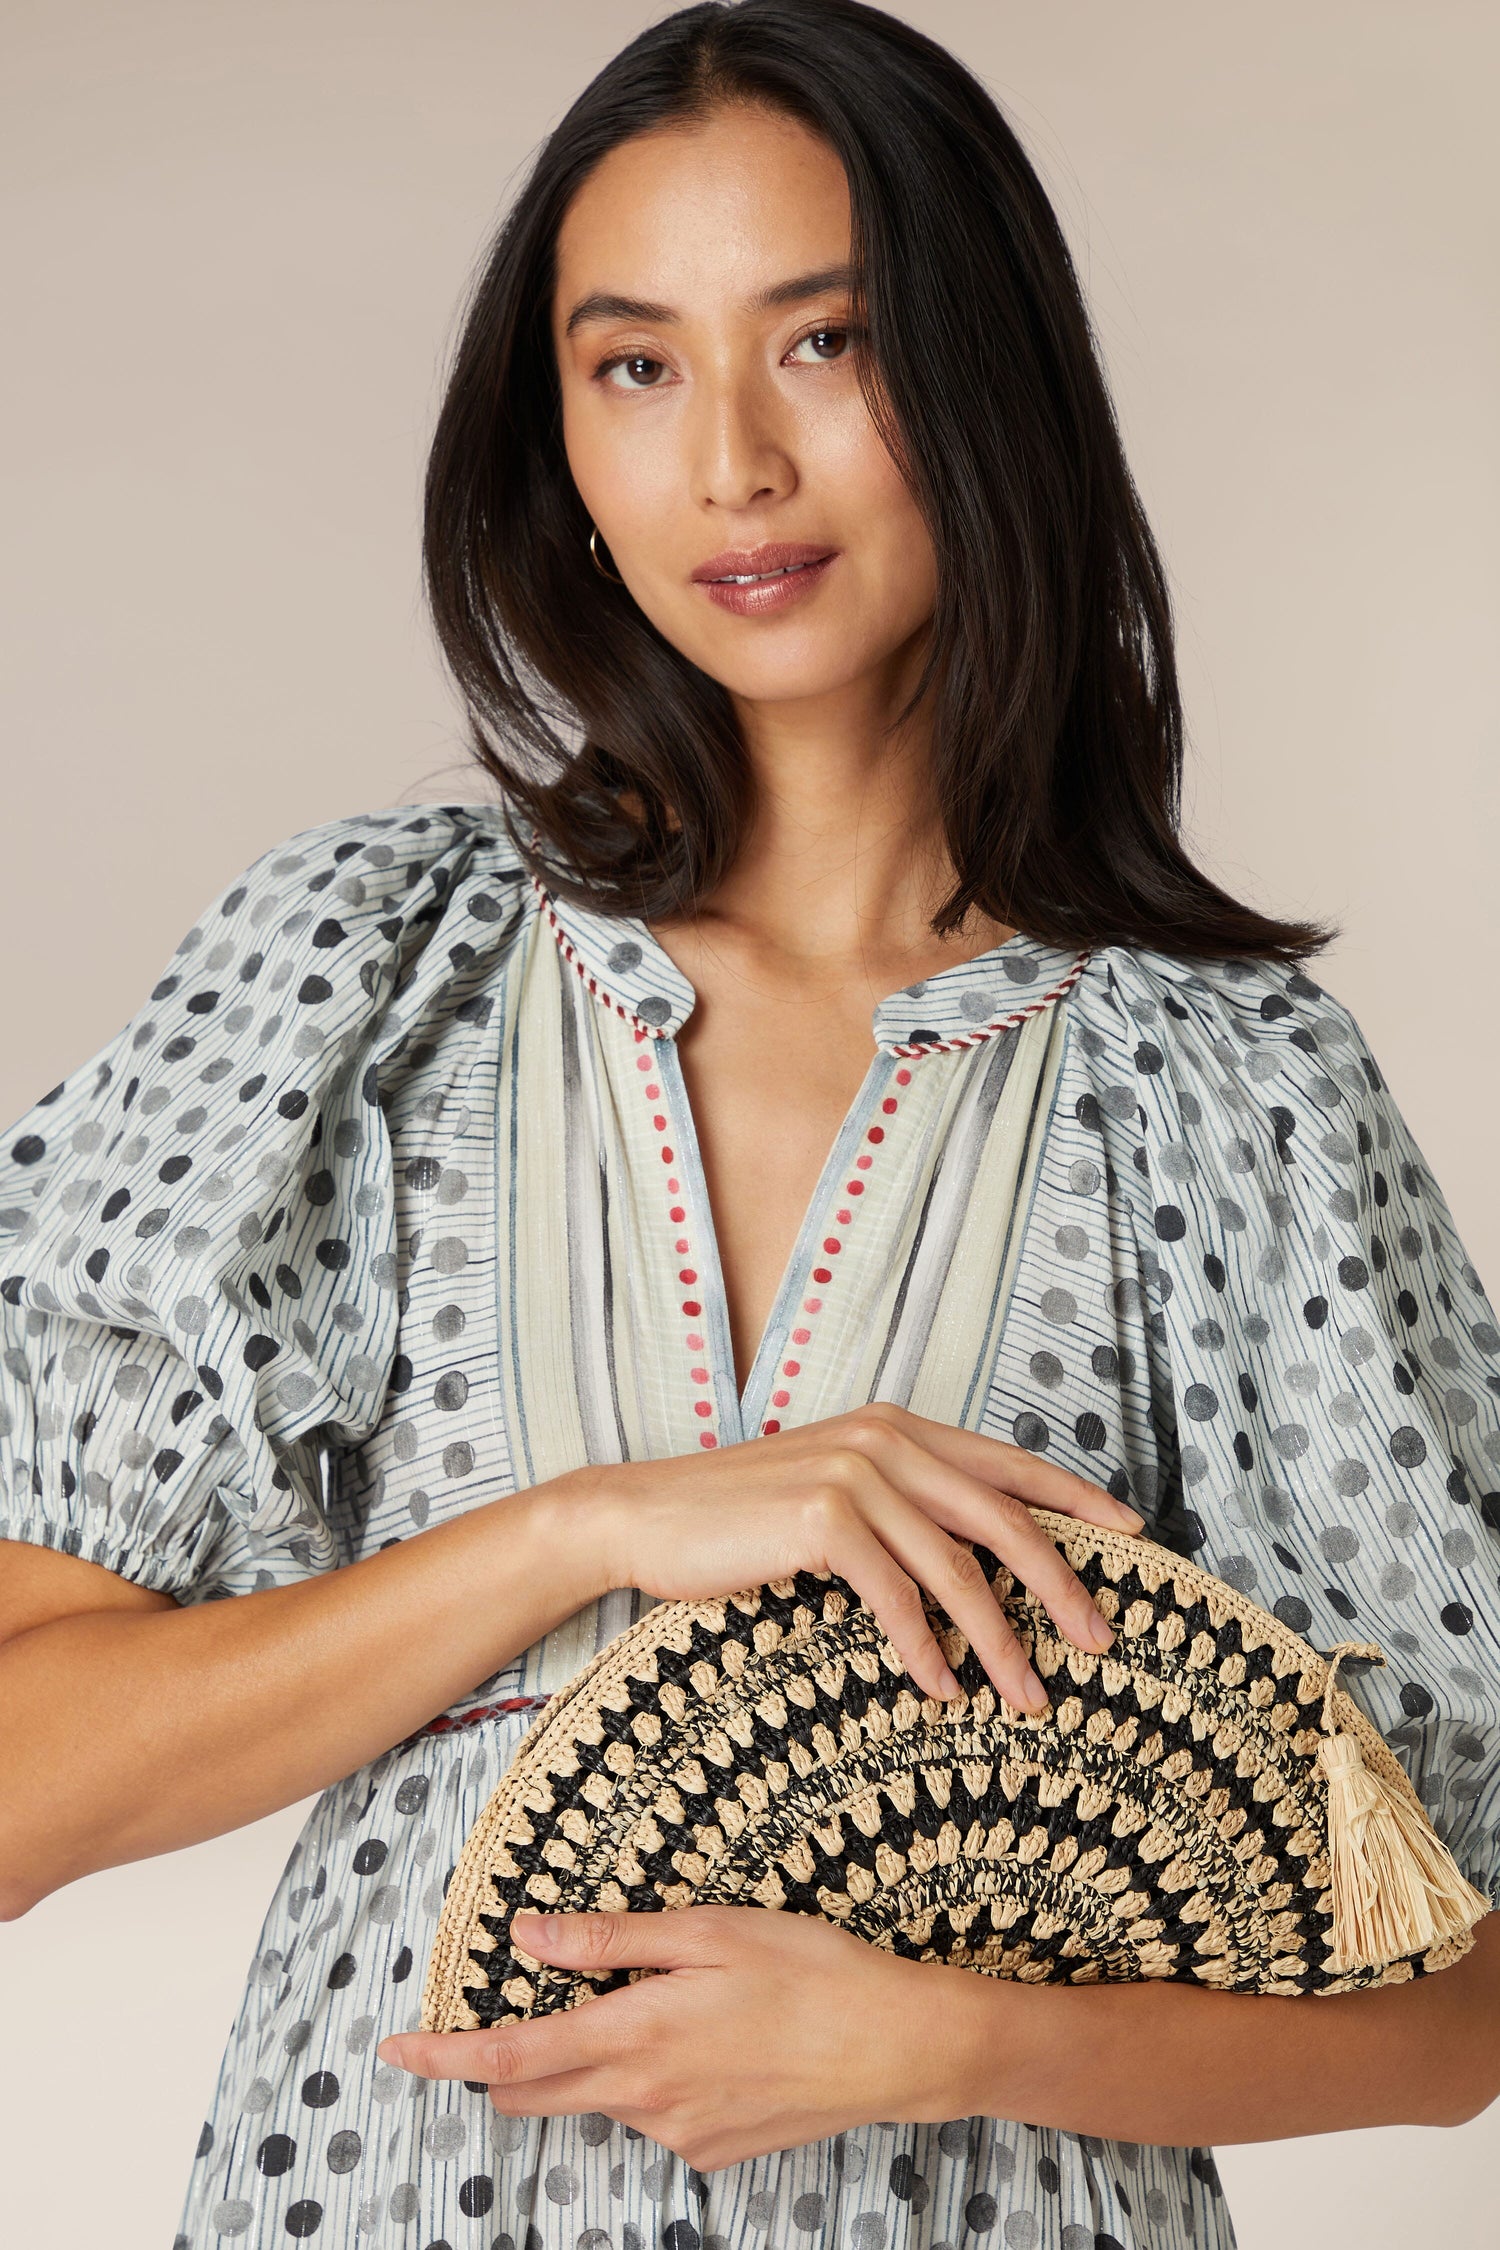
(1167, 1817)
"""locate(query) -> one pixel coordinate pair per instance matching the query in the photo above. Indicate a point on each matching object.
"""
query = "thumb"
(667, 1938)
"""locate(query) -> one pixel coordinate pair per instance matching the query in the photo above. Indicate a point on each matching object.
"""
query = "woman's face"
(712, 411)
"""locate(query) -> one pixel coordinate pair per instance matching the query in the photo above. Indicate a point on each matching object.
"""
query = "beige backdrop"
(235, 240)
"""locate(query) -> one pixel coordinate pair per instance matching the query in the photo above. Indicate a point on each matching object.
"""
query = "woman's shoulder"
(1233, 1071)
(1237, 1012)
(371, 866)
(309, 962)
(347, 901)
(352, 907)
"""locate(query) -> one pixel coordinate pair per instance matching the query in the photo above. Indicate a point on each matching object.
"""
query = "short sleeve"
(197, 1234)
(1331, 1362)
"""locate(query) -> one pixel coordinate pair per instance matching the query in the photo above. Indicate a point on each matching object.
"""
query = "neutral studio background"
(235, 238)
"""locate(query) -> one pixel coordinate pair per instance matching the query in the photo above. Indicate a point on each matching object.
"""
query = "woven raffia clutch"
(1201, 1802)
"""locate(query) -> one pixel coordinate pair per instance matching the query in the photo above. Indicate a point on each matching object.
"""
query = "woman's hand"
(765, 2030)
(880, 1496)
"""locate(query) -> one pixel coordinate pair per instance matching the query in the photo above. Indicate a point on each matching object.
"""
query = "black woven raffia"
(1106, 1839)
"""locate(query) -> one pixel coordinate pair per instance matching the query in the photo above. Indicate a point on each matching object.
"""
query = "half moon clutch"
(1202, 1801)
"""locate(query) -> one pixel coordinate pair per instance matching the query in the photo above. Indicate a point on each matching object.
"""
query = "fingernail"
(389, 2053)
(1133, 1516)
(950, 1687)
(1036, 1694)
(542, 1925)
(1101, 1633)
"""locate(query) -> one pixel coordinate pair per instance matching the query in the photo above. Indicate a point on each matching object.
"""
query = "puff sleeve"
(1328, 1360)
(197, 1270)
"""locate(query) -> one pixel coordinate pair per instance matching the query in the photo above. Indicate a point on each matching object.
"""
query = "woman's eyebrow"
(603, 304)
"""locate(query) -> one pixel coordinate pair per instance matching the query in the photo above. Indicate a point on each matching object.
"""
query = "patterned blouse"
(388, 1202)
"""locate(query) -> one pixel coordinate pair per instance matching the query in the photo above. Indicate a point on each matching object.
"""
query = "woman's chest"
(603, 1250)
(564, 1275)
(766, 1094)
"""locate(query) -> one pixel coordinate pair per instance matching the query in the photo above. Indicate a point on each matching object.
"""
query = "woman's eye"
(632, 362)
(820, 338)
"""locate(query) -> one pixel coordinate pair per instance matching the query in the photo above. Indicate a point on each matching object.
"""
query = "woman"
(499, 1217)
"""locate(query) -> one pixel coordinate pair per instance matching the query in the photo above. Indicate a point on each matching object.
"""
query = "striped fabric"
(614, 1341)
(389, 1201)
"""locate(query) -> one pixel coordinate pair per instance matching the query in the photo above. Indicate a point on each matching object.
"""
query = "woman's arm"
(770, 2029)
(1189, 2067)
(129, 1732)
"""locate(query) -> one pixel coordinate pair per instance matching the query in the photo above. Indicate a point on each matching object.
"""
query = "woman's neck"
(845, 862)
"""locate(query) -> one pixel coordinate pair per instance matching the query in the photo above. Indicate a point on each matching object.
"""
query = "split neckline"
(627, 968)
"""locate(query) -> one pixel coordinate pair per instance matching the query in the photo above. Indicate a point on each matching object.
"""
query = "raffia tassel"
(1396, 1886)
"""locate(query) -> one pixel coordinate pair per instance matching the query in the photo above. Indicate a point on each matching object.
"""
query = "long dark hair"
(1057, 720)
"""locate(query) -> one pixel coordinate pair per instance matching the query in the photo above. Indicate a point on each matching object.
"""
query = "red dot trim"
(875, 1136)
(843, 1218)
(693, 1340)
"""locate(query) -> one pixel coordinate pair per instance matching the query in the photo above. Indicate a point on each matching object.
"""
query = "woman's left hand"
(767, 2029)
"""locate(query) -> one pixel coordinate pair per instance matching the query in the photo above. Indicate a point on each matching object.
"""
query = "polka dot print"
(253, 1260)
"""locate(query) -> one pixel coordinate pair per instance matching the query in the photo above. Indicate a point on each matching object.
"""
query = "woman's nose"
(741, 446)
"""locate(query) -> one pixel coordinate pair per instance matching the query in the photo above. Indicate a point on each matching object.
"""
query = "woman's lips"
(776, 588)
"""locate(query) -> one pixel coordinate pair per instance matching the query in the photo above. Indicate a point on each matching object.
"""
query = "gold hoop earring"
(598, 565)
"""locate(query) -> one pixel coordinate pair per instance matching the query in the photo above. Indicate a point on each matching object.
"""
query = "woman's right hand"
(880, 1496)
